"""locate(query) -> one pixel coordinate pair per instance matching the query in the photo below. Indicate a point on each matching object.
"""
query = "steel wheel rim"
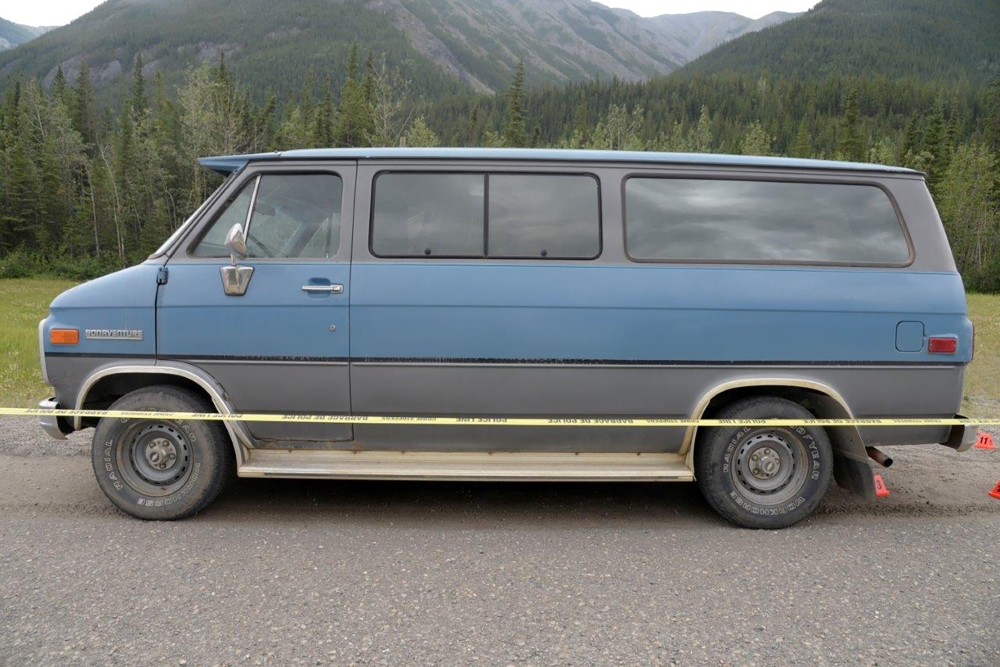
(154, 458)
(770, 466)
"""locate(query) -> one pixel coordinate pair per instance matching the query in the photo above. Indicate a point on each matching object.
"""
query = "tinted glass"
(213, 243)
(296, 216)
(428, 215)
(544, 216)
(687, 219)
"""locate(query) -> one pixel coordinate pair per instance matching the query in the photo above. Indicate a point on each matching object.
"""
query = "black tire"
(162, 469)
(763, 476)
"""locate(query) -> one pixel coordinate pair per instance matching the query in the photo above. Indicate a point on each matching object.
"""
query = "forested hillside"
(927, 39)
(441, 45)
(89, 184)
(274, 45)
(12, 34)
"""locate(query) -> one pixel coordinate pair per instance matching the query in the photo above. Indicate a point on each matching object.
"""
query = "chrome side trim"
(687, 447)
(467, 466)
(241, 440)
(41, 351)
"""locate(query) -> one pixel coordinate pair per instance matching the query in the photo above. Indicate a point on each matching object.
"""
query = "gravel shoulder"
(292, 572)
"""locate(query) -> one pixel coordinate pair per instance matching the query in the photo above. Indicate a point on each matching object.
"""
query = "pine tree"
(368, 82)
(138, 102)
(802, 146)
(354, 123)
(934, 147)
(323, 130)
(83, 117)
(514, 133)
(851, 146)
(60, 89)
(702, 140)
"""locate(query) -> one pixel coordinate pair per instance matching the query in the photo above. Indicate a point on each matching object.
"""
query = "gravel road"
(291, 572)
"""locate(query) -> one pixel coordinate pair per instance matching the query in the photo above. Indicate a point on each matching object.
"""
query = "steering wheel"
(268, 252)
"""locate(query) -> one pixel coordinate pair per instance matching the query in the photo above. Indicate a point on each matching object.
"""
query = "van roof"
(226, 164)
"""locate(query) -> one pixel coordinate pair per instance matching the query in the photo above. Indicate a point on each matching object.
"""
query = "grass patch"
(982, 379)
(23, 303)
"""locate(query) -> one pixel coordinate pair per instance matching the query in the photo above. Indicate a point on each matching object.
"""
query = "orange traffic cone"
(880, 489)
(985, 441)
(996, 491)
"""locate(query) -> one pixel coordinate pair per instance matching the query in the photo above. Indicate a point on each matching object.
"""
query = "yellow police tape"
(487, 421)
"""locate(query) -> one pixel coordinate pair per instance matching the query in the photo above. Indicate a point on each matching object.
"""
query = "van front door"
(283, 345)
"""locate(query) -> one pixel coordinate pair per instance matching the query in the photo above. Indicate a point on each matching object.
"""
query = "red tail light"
(942, 345)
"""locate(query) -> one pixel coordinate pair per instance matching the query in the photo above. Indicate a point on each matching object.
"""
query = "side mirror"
(236, 244)
(235, 279)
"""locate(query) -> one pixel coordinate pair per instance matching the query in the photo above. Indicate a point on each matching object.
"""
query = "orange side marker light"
(880, 489)
(64, 336)
(996, 491)
(985, 441)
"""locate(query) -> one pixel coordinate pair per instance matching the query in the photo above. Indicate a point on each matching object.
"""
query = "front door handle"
(332, 289)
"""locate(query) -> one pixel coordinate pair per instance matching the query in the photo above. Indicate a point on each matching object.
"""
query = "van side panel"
(642, 340)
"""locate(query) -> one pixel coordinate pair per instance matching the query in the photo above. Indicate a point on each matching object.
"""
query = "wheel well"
(810, 399)
(850, 459)
(110, 388)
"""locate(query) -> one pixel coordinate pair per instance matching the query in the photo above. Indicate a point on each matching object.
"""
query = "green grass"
(982, 380)
(24, 302)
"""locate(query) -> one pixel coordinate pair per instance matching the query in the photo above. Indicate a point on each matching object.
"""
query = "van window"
(428, 215)
(672, 219)
(534, 215)
(554, 216)
(295, 216)
(213, 242)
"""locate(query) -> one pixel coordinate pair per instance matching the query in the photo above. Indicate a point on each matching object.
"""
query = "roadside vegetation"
(86, 189)
(23, 302)
(982, 382)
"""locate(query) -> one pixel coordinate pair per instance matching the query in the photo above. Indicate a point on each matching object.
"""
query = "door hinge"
(161, 276)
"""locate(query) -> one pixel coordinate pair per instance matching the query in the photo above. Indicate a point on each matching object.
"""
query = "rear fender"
(850, 460)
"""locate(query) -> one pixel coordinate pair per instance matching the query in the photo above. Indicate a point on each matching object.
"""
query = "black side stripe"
(487, 361)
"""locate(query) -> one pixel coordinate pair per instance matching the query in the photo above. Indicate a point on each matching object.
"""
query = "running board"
(469, 466)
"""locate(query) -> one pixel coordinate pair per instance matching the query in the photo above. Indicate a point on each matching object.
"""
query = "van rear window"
(676, 219)
(502, 216)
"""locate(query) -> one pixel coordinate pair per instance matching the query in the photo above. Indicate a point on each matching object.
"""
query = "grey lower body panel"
(68, 373)
(531, 390)
(618, 391)
(287, 388)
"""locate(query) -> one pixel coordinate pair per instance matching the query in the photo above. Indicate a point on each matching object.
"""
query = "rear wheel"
(161, 469)
(764, 476)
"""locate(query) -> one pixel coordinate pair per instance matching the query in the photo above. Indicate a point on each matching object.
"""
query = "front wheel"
(161, 469)
(764, 476)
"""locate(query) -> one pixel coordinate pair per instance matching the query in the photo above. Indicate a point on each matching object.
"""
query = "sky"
(61, 12)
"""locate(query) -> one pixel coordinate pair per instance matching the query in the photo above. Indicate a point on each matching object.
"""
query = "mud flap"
(851, 469)
(852, 474)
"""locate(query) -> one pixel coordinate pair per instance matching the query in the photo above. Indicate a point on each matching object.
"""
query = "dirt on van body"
(294, 572)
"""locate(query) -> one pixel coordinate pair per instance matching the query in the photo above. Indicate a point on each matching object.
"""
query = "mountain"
(12, 34)
(444, 46)
(924, 39)
(700, 32)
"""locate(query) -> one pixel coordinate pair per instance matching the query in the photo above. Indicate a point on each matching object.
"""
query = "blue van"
(522, 283)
